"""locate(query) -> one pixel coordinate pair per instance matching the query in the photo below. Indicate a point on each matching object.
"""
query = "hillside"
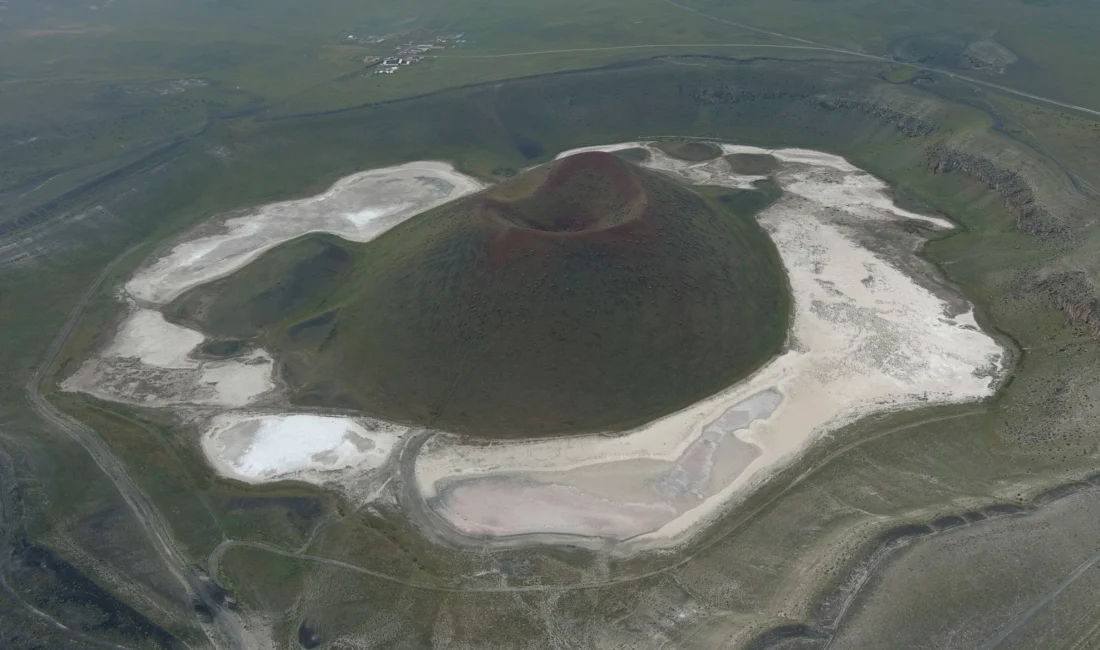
(586, 294)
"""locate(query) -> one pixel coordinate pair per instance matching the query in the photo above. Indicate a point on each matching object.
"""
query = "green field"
(118, 162)
(88, 90)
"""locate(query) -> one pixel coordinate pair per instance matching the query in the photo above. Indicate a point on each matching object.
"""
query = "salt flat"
(151, 362)
(358, 208)
(260, 447)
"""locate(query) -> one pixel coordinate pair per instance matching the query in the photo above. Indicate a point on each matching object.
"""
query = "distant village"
(410, 53)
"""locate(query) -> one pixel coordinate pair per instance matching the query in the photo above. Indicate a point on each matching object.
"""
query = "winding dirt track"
(806, 45)
(1023, 617)
(864, 55)
(648, 46)
(197, 585)
(408, 483)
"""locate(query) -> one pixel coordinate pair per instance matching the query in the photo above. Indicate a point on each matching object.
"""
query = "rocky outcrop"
(910, 125)
(1071, 292)
(738, 94)
(1032, 217)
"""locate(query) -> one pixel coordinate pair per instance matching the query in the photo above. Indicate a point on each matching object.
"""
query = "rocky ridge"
(1032, 217)
(1071, 292)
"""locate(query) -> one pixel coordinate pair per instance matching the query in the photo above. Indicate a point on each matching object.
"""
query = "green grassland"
(88, 89)
(82, 90)
(1050, 41)
(783, 558)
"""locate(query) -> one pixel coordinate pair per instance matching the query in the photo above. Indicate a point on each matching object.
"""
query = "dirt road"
(229, 630)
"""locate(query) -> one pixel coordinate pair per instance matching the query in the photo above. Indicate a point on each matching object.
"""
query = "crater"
(589, 191)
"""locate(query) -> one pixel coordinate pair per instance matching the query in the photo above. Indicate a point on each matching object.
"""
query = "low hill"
(586, 294)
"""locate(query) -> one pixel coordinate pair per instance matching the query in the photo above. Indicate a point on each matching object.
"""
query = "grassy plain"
(88, 89)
